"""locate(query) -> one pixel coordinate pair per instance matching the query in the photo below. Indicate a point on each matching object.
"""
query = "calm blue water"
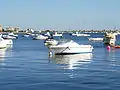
(27, 66)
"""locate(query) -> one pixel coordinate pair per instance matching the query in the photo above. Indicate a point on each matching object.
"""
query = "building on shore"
(12, 29)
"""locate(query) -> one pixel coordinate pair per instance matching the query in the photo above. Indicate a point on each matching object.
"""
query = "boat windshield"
(62, 41)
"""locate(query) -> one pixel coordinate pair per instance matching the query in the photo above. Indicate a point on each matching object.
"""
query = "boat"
(12, 34)
(50, 42)
(70, 47)
(26, 35)
(83, 35)
(95, 39)
(57, 34)
(40, 37)
(109, 38)
(80, 34)
(8, 37)
(72, 61)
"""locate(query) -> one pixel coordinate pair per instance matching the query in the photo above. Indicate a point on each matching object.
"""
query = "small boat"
(57, 34)
(80, 34)
(83, 35)
(8, 37)
(26, 35)
(95, 39)
(40, 37)
(70, 47)
(12, 34)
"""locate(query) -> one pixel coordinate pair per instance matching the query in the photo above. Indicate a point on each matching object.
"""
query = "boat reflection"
(6, 52)
(72, 61)
(2, 54)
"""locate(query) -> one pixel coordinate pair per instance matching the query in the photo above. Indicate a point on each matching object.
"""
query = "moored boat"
(9, 37)
(57, 34)
(40, 37)
(70, 47)
(95, 39)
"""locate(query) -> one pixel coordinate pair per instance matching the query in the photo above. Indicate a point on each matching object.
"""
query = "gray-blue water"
(27, 66)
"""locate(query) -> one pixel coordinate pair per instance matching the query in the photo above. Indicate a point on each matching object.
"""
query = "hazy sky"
(61, 14)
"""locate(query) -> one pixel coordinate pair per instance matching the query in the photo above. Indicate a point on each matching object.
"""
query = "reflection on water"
(72, 61)
(6, 52)
(2, 54)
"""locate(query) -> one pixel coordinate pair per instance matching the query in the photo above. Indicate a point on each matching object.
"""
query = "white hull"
(80, 34)
(95, 39)
(70, 47)
(57, 34)
(5, 43)
(40, 37)
(9, 37)
(2, 43)
(8, 41)
(72, 50)
(26, 35)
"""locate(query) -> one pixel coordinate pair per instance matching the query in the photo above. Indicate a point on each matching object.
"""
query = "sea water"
(27, 66)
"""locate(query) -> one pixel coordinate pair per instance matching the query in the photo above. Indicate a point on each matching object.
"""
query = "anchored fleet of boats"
(61, 47)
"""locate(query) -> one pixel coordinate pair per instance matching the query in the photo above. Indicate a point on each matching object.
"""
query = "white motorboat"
(57, 34)
(80, 34)
(51, 42)
(12, 34)
(9, 37)
(95, 39)
(26, 35)
(40, 37)
(83, 35)
(70, 47)
(72, 61)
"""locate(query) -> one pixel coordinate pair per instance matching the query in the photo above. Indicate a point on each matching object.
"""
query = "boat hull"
(71, 50)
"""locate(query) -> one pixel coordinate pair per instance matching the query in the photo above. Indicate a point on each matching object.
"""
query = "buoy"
(108, 48)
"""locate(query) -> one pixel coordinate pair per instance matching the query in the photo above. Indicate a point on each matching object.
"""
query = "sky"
(60, 14)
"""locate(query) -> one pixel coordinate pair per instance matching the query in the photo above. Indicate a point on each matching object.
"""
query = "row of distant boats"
(47, 35)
